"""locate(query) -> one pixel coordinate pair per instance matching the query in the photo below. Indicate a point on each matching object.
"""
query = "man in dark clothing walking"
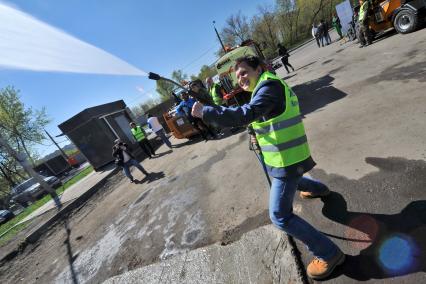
(325, 29)
(282, 51)
(314, 32)
(320, 33)
(125, 159)
(274, 116)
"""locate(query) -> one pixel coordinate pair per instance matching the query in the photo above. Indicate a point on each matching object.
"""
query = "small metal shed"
(94, 130)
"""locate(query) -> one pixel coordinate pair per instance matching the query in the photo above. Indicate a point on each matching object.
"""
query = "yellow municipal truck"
(233, 94)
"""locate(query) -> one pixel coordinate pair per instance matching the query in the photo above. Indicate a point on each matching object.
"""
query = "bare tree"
(237, 27)
(288, 13)
(265, 31)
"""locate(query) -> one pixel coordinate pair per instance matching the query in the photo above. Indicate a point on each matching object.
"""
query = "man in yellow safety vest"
(141, 138)
(364, 29)
(214, 91)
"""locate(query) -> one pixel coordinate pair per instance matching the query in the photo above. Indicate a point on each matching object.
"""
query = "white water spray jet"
(27, 43)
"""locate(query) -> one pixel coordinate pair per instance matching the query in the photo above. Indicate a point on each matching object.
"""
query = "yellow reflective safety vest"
(138, 133)
(362, 11)
(282, 139)
(213, 93)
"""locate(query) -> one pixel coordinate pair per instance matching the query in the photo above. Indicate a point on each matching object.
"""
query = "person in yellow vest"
(364, 29)
(142, 139)
(274, 115)
(215, 91)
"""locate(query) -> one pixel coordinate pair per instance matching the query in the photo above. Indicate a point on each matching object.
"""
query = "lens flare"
(363, 228)
(396, 254)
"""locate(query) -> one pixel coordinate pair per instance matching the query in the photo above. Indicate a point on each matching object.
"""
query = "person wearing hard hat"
(275, 118)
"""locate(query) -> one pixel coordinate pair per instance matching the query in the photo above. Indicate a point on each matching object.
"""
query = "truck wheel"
(405, 21)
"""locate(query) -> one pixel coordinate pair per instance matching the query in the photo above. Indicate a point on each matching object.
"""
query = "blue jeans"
(281, 214)
(162, 135)
(132, 162)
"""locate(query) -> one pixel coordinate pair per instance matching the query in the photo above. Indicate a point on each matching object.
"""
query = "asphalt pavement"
(365, 119)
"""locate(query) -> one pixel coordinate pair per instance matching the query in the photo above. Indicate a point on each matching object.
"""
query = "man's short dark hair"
(250, 60)
(196, 82)
(149, 115)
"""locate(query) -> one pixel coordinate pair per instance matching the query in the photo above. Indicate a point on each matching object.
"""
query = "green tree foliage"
(164, 88)
(142, 108)
(265, 30)
(22, 128)
(206, 71)
(179, 76)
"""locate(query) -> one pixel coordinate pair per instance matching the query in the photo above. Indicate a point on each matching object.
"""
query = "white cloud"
(140, 89)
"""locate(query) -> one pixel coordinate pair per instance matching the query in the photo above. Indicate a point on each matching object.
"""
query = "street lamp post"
(220, 40)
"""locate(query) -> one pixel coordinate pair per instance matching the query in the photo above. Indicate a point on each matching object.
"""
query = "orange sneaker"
(308, 195)
(320, 269)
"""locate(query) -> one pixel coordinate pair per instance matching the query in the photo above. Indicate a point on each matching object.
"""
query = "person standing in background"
(314, 32)
(283, 52)
(142, 139)
(158, 129)
(336, 25)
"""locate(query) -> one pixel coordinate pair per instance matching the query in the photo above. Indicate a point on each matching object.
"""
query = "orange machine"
(404, 15)
(179, 126)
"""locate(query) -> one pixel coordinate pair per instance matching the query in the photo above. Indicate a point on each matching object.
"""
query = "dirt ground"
(361, 107)
(126, 226)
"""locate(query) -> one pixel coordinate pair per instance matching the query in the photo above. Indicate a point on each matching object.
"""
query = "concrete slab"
(263, 255)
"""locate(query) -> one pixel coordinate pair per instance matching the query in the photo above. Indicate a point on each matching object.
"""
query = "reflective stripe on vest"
(362, 12)
(216, 99)
(282, 138)
(138, 133)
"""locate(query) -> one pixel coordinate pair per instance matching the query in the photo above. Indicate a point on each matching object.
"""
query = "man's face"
(195, 88)
(133, 125)
(209, 81)
(185, 97)
(247, 76)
